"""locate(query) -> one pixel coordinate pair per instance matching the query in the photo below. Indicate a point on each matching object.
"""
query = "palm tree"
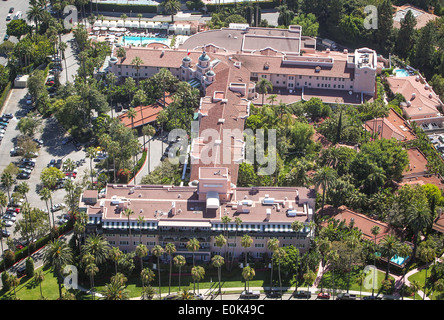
(39, 277)
(172, 6)
(148, 130)
(91, 153)
(141, 252)
(324, 246)
(170, 249)
(248, 274)
(226, 220)
(114, 254)
(179, 261)
(375, 231)
(158, 251)
(137, 62)
(246, 242)
(147, 275)
(57, 255)
(7, 181)
(389, 247)
(415, 285)
(111, 81)
(322, 179)
(280, 254)
(115, 290)
(238, 222)
(91, 270)
(13, 283)
(97, 246)
(193, 245)
(121, 53)
(419, 218)
(198, 273)
(272, 98)
(272, 245)
(352, 242)
(34, 14)
(131, 114)
(123, 16)
(332, 258)
(140, 221)
(128, 213)
(263, 87)
(62, 47)
(218, 261)
(426, 254)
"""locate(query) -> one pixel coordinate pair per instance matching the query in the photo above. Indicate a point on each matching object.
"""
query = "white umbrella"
(118, 23)
(106, 23)
(98, 23)
(103, 28)
(96, 28)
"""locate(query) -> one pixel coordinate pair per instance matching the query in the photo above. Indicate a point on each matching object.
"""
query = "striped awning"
(94, 220)
(194, 83)
(133, 225)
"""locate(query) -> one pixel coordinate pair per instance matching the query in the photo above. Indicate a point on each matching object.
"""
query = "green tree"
(406, 35)
(263, 86)
(171, 7)
(308, 22)
(158, 251)
(170, 250)
(218, 261)
(179, 261)
(57, 255)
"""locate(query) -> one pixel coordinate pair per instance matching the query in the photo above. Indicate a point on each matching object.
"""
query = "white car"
(8, 223)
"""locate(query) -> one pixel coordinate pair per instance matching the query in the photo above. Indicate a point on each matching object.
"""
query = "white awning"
(183, 223)
(212, 200)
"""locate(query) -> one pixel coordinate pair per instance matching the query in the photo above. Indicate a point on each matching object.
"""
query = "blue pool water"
(401, 73)
(398, 260)
(143, 40)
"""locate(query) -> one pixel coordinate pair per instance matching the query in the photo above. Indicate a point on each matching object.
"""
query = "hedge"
(127, 8)
(211, 7)
(4, 95)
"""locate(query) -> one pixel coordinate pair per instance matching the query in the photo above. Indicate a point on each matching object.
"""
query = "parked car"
(28, 171)
(57, 207)
(302, 294)
(9, 217)
(21, 271)
(8, 115)
(62, 221)
(6, 37)
(9, 17)
(6, 233)
(274, 294)
(66, 140)
(4, 119)
(346, 296)
(23, 175)
(11, 10)
(323, 295)
(8, 223)
(15, 151)
(372, 298)
(248, 294)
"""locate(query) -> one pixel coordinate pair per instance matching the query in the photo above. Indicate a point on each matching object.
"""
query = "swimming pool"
(396, 259)
(401, 73)
(143, 40)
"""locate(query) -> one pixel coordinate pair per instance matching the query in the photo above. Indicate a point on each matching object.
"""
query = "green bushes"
(110, 7)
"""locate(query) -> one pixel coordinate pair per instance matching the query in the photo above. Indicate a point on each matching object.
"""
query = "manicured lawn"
(29, 290)
(420, 277)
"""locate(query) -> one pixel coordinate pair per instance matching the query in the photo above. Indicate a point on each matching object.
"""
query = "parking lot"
(52, 134)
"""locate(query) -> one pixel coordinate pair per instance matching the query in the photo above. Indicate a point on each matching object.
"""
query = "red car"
(14, 209)
(50, 83)
(323, 295)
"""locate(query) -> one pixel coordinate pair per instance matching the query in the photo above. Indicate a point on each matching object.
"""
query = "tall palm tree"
(158, 251)
(147, 275)
(248, 274)
(246, 242)
(179, 261)
(322, 179)
(226, 220)
(114, 254)
(280, 254)
(193, 245)
(170, 250)
(198, 273)
(35, 14)
(352, 242)
(419, 218)
(324, 246)
(389, 247)
(91, 153)
(62, 47)
(128, 213)
(141, 252)
(148, 130)
(140, 221)
(137, 62)
(263, 86)
(115, 290)
(7, 181)
(39, 277)
(171, 7)
(272, 245)
(91, 270)
(131, 114)
(332, 258)
(375, 231)
(97, 246)
(218, 261)
(426, 254)
(57, 255)
(110, 80)
(238, 222)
